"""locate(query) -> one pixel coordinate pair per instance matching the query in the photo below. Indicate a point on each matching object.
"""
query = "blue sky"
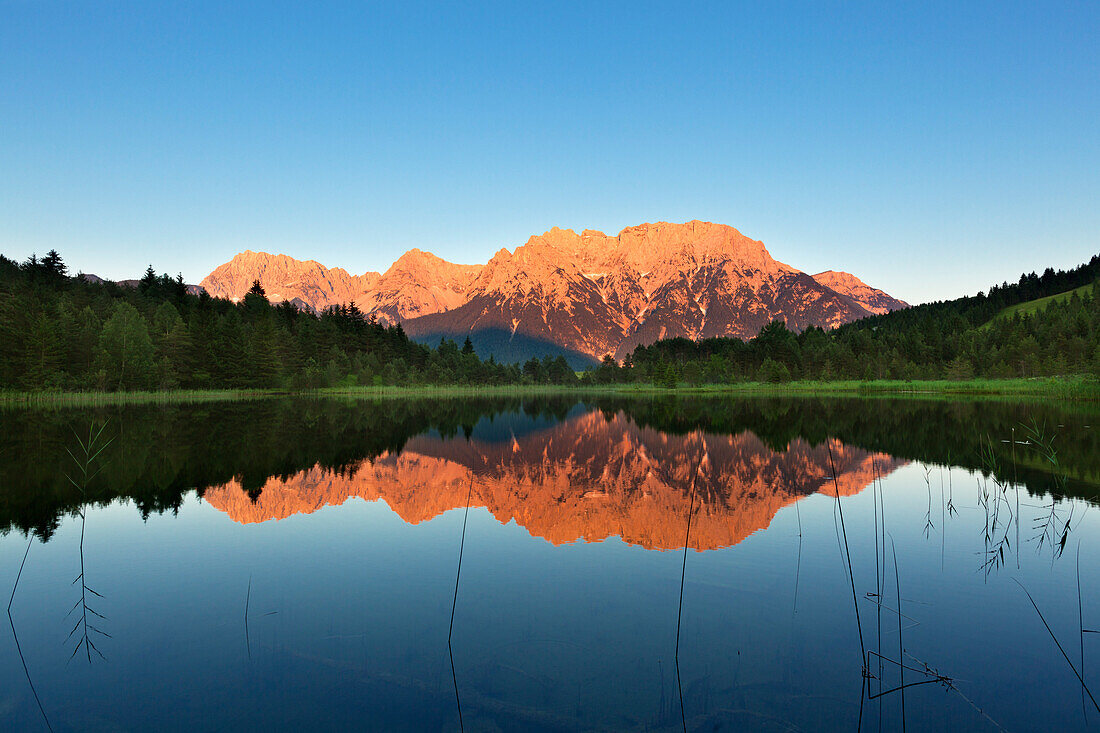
(930, 148)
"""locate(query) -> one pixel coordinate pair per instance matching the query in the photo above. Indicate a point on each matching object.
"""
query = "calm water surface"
(551, 565)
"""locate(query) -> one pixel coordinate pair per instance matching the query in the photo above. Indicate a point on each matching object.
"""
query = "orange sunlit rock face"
(873, 299)
(416, 284)
(589, 293)
(585, 478)
(308, 284)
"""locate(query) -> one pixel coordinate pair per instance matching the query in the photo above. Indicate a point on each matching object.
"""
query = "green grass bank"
(1074, 388)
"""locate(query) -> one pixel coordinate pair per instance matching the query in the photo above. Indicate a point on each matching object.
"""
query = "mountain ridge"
(873, 299)
(589, 293)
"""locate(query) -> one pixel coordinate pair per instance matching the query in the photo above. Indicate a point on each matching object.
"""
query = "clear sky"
(930, 148)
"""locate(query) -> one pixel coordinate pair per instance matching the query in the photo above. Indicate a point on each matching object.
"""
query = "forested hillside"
(61, 332)
(70, 333)
(956, 339)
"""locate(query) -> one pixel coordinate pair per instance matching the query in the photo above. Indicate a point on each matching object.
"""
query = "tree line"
(80, 333)
(957, 339)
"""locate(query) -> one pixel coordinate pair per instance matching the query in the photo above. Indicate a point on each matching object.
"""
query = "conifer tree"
(54, 265)
(148, 281)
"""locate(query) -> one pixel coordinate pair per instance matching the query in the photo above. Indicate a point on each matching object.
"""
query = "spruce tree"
(54, 265)
(42, 352)
(148, 282)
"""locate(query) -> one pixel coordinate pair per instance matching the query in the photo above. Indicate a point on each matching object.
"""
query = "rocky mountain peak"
(586, 294)
(872, 299)
(286, 278)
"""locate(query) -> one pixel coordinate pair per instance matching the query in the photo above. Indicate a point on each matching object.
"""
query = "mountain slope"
(595, 294)
(418, 283)
(285, 278)
(1039, 304)
(585, 295)
(873, 299)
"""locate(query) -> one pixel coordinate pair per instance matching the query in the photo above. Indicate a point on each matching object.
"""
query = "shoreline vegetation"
(76, 340)
(1070, 388)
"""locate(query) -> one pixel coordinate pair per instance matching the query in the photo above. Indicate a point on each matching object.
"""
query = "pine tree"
(264, 368)
(82, 349)
(148, 282)
(175, 352)
(54, 265)
(608, 371)
(42, 352)
(561, 372)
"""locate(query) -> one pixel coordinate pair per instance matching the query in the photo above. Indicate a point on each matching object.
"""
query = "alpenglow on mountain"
(586, 295)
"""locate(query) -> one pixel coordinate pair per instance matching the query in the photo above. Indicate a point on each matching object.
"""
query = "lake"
(552, 564)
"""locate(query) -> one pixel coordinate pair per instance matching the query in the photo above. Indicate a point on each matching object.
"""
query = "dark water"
(295, 565)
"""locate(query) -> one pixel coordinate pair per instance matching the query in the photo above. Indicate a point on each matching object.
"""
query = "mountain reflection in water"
(587, 477)
(899, 603)
(549, 448)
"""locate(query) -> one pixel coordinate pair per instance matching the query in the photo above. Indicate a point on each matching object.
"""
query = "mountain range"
(586, 295)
